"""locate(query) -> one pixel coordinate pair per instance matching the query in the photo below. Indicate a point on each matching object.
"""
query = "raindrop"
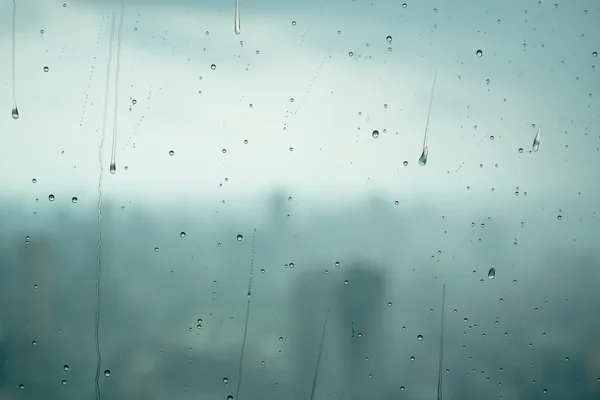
(51, 197)
(351, 54)
(479, 53)
(423, 158)
(107, 372)
(21, 386)
(595, 54)
(375, 134)
(420, 337)
(230, 397)
(15, 113)
(213, 67)
(412, 358)
(66, 367)
(337, 263)
(536, 141)
(74, 200)
(46, 69)
(405, 163)
(171, 152)
(402, 387)
(389, 303)
(404, 5)
(225, 380)
(240, 237)
(237, 18)
(492, 273)
(293, 23)
(34, 180)
(64, 381)
(182, 234)
(389, 39)
(113, 168)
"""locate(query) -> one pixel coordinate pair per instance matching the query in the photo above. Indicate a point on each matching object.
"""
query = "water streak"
(15, 109)
(113, 153)
(316, 377)
(99, 247)
(441, 357)
(237, 17)
(425, 152)
(240, 370)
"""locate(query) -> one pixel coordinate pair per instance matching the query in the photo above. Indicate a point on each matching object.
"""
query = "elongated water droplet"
(113, 153)
(113, 168)
(536, 141)
(479, 53)
(237, 17)
(15, 110)
(423, 158)
(492, 273)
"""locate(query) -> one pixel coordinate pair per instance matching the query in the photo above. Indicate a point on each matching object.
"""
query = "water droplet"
(291, 265)
(389, 39)
(520, 149)
(134, 102)
(595, 54)
(559, 217)
(402, 387)
(46, 69)
(225, 381)
(412, 358)
(423, 158)
(420, 337)
(405, 163)
(51, 197)
(479, 53)
(351, 54)
(230, 397)
(64, 382)
(107, 372)
(21, 386)
(15, 113)
(182, 234)
(389, 303)
(375, 134)
(240, 237)
(293, 23)
(213, 67)
(66, 367)
(42, 32)
(74, 200)
(337, 263)
(536, 141)
(34, 180)
(34, 343)
(113, 168)
(492, 273)
(156, 249)
(171, 152)
(262, 271)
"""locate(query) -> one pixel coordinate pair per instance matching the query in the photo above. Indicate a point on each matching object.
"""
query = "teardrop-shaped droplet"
(423, 158)
(536, 141)
(113, 168)
(492, 273)
(15, 113)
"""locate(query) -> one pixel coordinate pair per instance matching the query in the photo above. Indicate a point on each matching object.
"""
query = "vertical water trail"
(15, 109)
(240, 370)
(99, 248)
(237, 17)
(425, 152)
(441, 358)
(113, 161)
(316, 377)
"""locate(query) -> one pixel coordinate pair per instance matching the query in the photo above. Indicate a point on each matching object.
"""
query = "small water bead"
(156, 249)
(15, 113)
(389, 39)
(171, 152)
(412, 358)
(351, 54)
(240, 237)
(64, 382)
(291, 265)
(182, 234)
(107, 372)
(46, 69)
(389, 303)
(595, 54)
(262, 271)
(34, 180)
(74, 200)
(405, 163)
(420, 337)
(230, 397)
(213, 67)
(225, 380)
(404, 5)
(559, 217)
(66, 367)
(479, 53)
(402, 388)
(337, 263)
(492, 273)
(51, 197)
(375, 134)
(21, 386)
(293, 23)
